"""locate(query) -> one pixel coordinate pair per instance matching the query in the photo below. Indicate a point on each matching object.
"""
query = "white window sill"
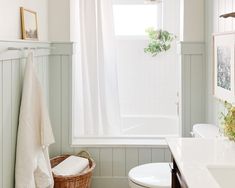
(133, 141)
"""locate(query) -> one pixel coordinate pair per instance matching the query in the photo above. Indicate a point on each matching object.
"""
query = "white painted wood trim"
(190, 48)
(119, 142)
(68, 48)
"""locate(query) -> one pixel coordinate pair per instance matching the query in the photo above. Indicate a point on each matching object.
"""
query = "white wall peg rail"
(30, 48)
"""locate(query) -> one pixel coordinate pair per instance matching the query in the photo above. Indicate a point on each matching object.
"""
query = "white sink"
(223, 175)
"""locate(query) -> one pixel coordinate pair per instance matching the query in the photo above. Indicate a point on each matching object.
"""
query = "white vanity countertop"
(194, 155)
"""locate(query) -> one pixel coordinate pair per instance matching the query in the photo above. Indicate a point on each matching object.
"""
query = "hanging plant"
(159, 41)
(228, 121)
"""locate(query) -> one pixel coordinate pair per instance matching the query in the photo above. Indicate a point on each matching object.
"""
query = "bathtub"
(159, 126)
(147, 131)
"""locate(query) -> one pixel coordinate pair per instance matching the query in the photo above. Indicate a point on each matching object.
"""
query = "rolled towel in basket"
(71, 166)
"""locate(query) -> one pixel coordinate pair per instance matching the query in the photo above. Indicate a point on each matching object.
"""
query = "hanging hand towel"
(33, 168)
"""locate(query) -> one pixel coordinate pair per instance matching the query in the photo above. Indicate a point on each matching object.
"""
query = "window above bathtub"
(133, 17)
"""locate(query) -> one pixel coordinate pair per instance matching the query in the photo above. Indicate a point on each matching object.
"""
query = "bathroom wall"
(214, 24)
(49, 63)
(63, 20)
(192, 20)
(191, 51)
(59, 20)
(10, 18)
(193, 75)
(12, 65)
(56, 19)
(54, 70)
(113, 162)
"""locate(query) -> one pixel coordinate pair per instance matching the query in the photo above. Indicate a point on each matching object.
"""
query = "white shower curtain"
(97, 106)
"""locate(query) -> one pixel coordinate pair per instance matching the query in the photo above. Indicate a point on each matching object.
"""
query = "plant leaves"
(159, 41)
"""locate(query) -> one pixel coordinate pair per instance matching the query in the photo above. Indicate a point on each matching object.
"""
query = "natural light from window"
(133, 19)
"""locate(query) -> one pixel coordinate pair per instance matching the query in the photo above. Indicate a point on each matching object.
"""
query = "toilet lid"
(154, 175)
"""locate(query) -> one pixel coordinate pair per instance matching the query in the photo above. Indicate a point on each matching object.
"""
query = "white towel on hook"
(33, 169)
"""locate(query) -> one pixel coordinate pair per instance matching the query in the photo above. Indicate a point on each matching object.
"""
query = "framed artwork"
(29, 24)
(224, 77)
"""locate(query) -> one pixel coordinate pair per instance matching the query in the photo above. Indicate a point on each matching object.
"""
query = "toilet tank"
(205, 131)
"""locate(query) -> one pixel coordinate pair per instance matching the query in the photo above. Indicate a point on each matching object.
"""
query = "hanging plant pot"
(159, 41)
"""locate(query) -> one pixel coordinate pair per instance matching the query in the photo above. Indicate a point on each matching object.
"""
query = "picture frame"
(224, 66)
(29, 24)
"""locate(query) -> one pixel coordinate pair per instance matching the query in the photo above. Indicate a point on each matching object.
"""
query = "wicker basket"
(82, 180)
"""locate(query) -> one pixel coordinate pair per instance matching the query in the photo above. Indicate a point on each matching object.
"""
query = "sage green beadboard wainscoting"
(112, 163)
(12, 65)
(55, 72)
(193, 84)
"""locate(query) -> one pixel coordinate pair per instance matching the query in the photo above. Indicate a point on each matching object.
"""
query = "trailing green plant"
(228, 121)
(159, 41)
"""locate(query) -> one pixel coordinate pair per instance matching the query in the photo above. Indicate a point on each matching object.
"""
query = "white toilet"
(158, 175)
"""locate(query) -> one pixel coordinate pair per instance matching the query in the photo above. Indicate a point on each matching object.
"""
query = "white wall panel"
(215, 24)
(229, 21)
(233, 11)
(10, 18)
